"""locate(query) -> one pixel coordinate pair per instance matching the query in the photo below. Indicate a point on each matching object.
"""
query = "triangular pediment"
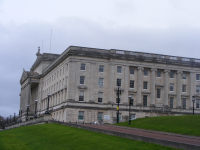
(24, 76)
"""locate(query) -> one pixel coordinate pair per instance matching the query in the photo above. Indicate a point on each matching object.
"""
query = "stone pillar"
(178, 88)
(153, 82)
(139, 86)
(112, 98)
(166, 87)
(192, 88)
(126, 84)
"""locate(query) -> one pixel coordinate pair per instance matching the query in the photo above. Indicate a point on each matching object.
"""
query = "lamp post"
(47, 111)
(35, 108)
(27, 112)
(129, 108)
(14, 119)
(193, 100)
(1, 124)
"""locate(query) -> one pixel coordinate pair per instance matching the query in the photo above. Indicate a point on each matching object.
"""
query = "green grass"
(58, 137)
(187, 125)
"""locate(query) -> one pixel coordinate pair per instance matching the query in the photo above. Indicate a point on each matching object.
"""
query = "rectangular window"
(119, 69)
(198, 89)
(144, 100)
(100, 81)
(171, 103)
(131, 84)
(184, 103)
(100, 97)
(119, 116)
(145, 72)
(81, 96)
(171, 87)
(82, 66)
(132, 71)
(82, 80)
(183, 88)
(171, 74)
(117, 100)
(132, 116)
(158, 93)
(99, 116)
(197, 76)
(145, 85)
(119, 82)
(198, 103)
(184, 76)
(81, 115)
(101, 68)
(132, 100)
(158, 73)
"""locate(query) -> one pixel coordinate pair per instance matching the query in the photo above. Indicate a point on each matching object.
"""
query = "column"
(166, 87)
(139, 86)
(112, 85)
(153, 82)
(178, 88)
(192, 87)
(126, 84)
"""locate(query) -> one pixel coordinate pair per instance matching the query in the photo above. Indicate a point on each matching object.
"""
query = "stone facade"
(82, 83)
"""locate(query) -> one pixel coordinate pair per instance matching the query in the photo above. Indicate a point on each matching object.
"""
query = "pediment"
(24, 76)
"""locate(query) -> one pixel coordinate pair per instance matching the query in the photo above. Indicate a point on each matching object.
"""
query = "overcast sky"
(170, 27)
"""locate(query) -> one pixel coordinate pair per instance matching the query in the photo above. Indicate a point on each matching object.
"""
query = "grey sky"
(170, 27)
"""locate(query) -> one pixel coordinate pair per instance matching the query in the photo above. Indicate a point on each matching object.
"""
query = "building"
(82, 83)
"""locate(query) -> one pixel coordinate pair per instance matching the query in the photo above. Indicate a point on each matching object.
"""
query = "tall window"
(101, 68)
(184, 76)
(100, 81)
(132, 116)
(119, 69)
(82, 80)
(198, 89)
(145, 72)
(197, 76)
(82, 67)
(171, 102)
(183, 88)
(117, 100)
(81, 115)
(171, 87)
(158, 73)
(132, 100)
(184, 103)
(198, 103)
(131, 84)
(145, 85)
(132, 71)
(144, 100)
(99, 116)
(119, 116)
(100, 97)
(158, 93)
(171, 74)
(119, 82)
(81, 96)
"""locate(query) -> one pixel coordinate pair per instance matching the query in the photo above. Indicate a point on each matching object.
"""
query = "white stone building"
(82, 84)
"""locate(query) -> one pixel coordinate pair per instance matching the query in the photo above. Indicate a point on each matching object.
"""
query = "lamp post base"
(129, 122)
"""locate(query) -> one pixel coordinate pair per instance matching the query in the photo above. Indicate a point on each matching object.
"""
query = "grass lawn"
(188, 125)
(58, 137)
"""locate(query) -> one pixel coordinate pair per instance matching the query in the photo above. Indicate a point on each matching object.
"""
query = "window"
(197, 76)
(132, 100)
(183, 88)
(81, 115)
(198, 89)
(184, 76)
(184, 103)
(158, 73)
(132, 116)
(171, 74)
(171, 87)
(131, 84)
(100, 97)
(81, 96)
(144, 100)
(100, 81)
(119, 82)
(171, 102)
(82, 80)
(101, 68)
(117, 100)
(145, 72)
(198, 103)
(119, 69)
(145, 85)
(119, 116)
(132, 71)
(82, 66)
(158, 93)
(99, 116)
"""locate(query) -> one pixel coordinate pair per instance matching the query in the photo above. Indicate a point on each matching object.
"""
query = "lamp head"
(48, 94)
(129, 96)
(36, 100)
